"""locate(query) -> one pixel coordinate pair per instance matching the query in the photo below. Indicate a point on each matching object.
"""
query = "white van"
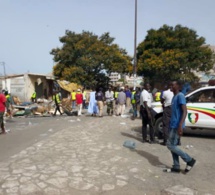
(200, 110)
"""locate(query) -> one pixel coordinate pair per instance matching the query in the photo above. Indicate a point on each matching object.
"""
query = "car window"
(203, 96)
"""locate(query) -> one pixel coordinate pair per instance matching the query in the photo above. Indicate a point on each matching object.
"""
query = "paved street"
(85, 155)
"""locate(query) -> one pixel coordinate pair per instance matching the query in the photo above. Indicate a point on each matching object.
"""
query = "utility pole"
(5, 79)
(135, 45)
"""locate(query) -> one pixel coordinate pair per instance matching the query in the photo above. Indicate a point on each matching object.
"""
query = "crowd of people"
(140, 100)
(174, 114)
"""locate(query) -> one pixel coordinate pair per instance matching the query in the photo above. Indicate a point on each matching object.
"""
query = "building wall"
(16, 86)
(23, 86)
(38, 84)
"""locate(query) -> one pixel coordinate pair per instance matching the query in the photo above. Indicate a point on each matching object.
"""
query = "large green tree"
(87, 59)
(173, 53)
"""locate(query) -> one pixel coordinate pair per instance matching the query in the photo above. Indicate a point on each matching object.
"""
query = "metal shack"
(23, 85)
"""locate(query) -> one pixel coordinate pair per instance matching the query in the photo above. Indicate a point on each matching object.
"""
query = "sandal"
(190, 165)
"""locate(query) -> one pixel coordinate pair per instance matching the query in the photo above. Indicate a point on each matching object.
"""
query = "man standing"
(128, 97)
(109, 96)
(73, 94)
(116, 93)
(121, 100)
(166, 100)
(57, 101)
(8, 104)
(79, 101)
(93, 107)
(179, 112)
(136, 102)
(2, 110)
(146, 112)
(33, 97)
(84, 93)
(100, 99)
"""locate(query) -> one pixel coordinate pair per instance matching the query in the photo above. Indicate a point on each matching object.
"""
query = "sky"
(30, 29)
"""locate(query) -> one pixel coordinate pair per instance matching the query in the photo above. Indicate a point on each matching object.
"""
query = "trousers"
(147, 121)
(175, 151)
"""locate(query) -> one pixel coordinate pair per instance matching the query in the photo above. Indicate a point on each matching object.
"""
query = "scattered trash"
(7, 130)
(50, 130)
(129, 144)
(29, 123)
(78, 119)
(125, 116)
(122, 123)
(156, 176)
(189, 146)
(71, 121)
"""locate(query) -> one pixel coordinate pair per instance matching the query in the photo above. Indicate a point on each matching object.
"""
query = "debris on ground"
(129, 144)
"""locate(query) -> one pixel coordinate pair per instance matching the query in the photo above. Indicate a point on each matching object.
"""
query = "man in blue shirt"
(179, 113)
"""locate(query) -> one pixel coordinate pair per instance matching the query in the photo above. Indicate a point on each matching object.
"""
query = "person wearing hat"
(57, 101)
(79, 101)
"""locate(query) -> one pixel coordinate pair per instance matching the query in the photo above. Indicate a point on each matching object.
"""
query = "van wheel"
(159, 128)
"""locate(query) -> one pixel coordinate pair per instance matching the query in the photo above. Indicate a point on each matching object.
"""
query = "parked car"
(200, 110)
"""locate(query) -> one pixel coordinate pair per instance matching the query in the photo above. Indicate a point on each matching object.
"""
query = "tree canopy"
(173, 53)
(87, 59)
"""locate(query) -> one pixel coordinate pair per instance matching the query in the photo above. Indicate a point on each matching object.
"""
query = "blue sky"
(29, 29)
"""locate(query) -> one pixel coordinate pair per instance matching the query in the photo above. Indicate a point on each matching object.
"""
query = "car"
(200, 110)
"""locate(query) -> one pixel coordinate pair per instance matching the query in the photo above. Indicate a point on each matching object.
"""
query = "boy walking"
(179, 112)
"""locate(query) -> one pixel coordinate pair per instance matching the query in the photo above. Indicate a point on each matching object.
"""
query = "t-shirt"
(146, 97)
(121, 98)
(79, 98)
(73, 95)
(128, 94)
(2, 102)
(99, 96)
(167, 96)
(109, 96)
(137, 97)
(177, 101)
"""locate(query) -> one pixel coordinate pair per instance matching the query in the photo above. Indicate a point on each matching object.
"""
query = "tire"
(159, 128)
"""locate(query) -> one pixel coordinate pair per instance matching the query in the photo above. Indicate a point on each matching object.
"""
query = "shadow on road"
(132, 136)
(153, 160)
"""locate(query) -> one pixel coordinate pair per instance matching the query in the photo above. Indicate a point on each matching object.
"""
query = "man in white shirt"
(166, 100)
(146, 112)
(109, 96)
